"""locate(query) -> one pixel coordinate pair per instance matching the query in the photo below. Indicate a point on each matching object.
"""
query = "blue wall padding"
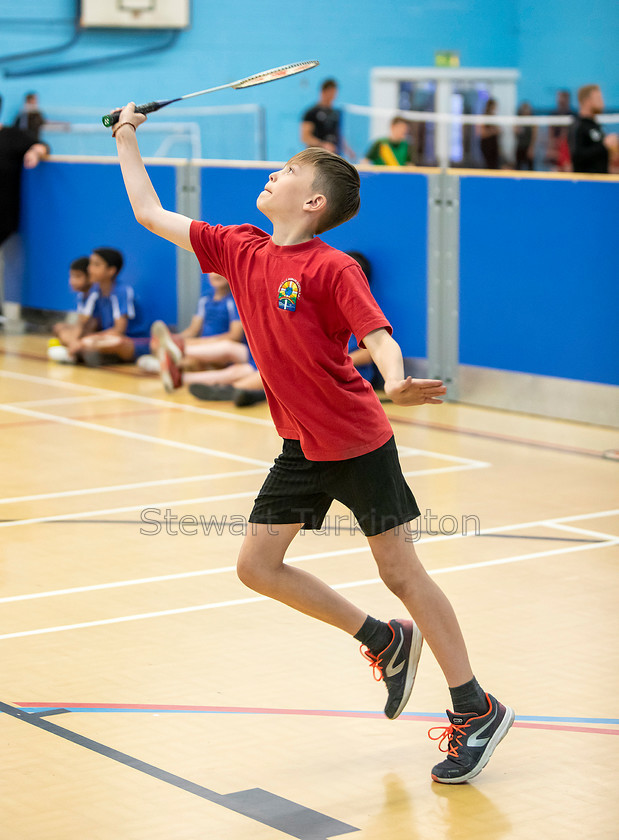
(538, 259)
(539, 277)
(390, 230)
(68, 209)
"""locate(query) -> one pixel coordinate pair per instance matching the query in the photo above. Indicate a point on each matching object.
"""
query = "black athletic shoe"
(397, 664)
(247, 396)
(215, 393)
(471, 740)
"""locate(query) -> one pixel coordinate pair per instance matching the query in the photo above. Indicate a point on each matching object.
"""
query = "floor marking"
(172, 406)
(59, 401)
(124, 433)
(174, 503)
(260, 598)
(438, 470)
(260, 805)
(405, 451)
(442, 427)
(584, 531)
(490, 532)
(563, 724)
(112, 488)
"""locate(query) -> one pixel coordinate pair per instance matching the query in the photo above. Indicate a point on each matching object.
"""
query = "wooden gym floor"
(147, 694)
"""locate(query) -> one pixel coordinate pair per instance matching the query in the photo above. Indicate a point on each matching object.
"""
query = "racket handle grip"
(111, 119)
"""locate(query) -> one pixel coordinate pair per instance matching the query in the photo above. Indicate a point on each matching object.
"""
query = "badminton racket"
(257, 79)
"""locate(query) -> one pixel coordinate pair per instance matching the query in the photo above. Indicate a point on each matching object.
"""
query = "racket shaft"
(111, 119)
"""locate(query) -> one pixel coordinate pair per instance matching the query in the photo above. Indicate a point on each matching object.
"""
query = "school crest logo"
(288, 295)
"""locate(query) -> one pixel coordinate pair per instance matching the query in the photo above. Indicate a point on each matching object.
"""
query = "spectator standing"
(589, 145)
(489, 138)
(30, 117)
(321, 125)
(17, 149)
(558, 154)
(526, 136)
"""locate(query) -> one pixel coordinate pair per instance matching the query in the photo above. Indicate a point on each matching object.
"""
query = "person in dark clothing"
(526, 135)
(17, 148)
(30, 118)
(321, 124)
(589, 145)
(489, 139)
(558, 152)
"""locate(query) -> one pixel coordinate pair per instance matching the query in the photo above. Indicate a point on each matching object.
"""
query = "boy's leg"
(107, 348)
(224, 376)
(476, 729)
(67, 333)
(403, 574)
(221, 352)
(261, 567)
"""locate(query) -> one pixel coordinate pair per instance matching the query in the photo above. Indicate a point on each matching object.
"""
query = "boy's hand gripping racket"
(258, 79)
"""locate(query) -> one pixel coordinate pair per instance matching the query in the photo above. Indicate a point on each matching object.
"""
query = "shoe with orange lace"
(471, 740)
(397, 664)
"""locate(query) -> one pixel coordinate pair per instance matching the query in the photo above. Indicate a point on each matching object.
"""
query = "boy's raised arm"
(144, 200)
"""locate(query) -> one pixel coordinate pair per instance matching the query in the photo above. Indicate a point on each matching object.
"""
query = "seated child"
(68, 330)
(108, 331)
(214, 338)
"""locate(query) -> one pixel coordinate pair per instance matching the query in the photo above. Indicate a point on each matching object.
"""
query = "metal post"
(188, 274)
(443, 279)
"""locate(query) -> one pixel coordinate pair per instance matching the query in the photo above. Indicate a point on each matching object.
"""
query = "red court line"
(442, 427)
(255, 710)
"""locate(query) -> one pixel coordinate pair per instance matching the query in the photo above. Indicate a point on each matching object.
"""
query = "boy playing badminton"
(299, 301)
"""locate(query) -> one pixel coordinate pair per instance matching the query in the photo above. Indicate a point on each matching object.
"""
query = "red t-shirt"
(299, 305)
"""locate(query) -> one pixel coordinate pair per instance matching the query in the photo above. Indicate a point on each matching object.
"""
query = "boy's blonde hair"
(337, 180)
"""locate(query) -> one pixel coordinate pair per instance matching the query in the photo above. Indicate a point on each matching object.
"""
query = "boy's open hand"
(411, 391)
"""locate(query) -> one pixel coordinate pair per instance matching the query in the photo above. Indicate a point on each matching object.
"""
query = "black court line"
(257, 804)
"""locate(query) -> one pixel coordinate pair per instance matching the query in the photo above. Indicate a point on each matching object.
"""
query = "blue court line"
(410, 715)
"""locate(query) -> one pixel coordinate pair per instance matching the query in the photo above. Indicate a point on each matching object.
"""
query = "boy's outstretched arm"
(403, 391)
(144, 200)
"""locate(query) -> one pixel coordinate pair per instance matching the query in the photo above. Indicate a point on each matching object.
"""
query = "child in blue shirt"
(214, 339)
(108, 329)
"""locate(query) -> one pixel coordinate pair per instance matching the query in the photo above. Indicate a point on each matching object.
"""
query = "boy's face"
(399, 131)
(99, 271)
(287, 192)
(78, 280)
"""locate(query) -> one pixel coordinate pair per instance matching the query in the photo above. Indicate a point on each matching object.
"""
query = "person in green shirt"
(394, 150)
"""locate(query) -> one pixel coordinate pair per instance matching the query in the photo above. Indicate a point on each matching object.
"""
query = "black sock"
(375, 634)
(469, 697)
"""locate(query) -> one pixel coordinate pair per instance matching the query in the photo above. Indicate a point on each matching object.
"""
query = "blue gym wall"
(229, 40)
(566, 44)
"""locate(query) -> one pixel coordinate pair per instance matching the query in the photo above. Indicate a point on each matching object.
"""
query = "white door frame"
(384, 94)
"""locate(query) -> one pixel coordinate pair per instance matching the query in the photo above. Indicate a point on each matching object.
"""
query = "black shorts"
(371, 485)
